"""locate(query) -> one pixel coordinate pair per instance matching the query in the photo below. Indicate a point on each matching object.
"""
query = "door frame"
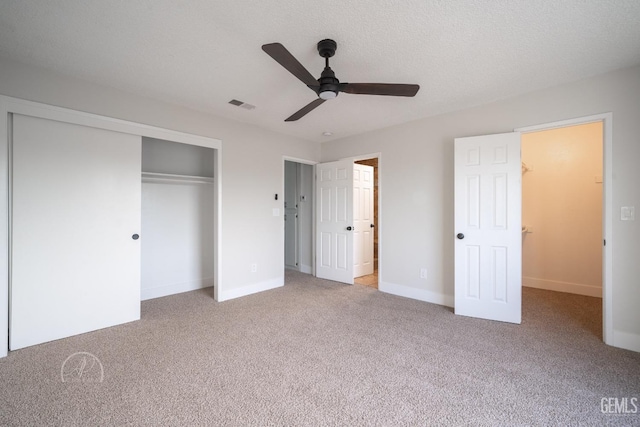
(313, 164)
(607, 208)
(10, 105)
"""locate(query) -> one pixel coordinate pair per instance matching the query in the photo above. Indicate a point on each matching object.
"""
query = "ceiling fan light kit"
(328, 86)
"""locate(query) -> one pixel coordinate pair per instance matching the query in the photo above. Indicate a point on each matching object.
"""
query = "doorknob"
(349, 228)
(460, 236)
(371, 225)
(135, 237)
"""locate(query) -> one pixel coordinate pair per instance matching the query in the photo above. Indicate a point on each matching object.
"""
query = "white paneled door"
(488, 248)
(75, 262)
(334, 242)
(362, 220)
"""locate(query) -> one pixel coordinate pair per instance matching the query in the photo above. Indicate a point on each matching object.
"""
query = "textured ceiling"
(203, 53)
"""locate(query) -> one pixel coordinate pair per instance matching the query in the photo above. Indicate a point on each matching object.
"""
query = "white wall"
(177, 247)
(562, 207)
(416, 178)
(169, 157)
(251, 166)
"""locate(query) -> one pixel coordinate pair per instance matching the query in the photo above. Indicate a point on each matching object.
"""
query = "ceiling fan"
(328, 86)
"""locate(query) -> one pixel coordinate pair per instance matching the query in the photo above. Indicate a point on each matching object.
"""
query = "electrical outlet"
(423, 273)
(254, 268)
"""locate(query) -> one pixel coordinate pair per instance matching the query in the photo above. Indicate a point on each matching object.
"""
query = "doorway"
(371, 280)
(562, 209)
(604, 123)
(341, 227)
(470, 155)
(298, 216)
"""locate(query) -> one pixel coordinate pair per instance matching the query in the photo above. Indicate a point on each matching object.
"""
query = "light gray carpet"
(320, 353)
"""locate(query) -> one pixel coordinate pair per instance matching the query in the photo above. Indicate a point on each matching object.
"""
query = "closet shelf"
(168, 178)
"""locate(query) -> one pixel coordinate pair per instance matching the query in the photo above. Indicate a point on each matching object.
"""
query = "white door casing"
(488, 240)
(362, 220)
(334, 207)
(76, 205)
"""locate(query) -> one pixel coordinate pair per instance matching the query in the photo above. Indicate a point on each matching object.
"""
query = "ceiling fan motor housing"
(329, 84)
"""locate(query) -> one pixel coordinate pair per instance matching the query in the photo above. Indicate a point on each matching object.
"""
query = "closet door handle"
(135, 237)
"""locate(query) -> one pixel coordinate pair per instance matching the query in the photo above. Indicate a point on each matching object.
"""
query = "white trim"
(626, 340)
(298, 160)
(364, 157)
(66, 115)
(251, 289)
(166, 178)
(176, 288)
(571, 288)
(415, 293)
(9, 105)
(564, 123)
(607, 217)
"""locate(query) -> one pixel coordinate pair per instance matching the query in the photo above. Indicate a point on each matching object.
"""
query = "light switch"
(628, 213)
(598, 179)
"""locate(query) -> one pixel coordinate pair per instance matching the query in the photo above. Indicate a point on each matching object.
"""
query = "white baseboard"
(626, 340)
(251, 289)
(415, 293)
(571, 288)
(306, 269)
(177, 288)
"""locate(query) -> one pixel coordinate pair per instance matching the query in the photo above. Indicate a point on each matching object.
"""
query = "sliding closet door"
(75, 266)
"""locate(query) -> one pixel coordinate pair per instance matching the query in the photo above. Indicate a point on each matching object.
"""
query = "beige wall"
(562, 206)
(415, 177)
(416, 186)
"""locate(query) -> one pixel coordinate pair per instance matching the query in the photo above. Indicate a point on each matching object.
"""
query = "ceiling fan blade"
(390, 89)
(304, 110)
(287, 60)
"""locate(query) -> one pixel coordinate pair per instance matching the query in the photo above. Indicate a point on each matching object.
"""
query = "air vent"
(242, 104)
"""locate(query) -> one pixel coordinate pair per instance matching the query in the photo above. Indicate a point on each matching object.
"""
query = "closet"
(99, 214)
(177, 218)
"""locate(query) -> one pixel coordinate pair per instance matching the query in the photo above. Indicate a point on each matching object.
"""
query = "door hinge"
(605, 242)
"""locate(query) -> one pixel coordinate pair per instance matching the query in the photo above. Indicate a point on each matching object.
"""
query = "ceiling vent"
(242, 104)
